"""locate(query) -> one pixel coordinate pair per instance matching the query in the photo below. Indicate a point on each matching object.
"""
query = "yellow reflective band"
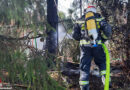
(83, 27)
(98, 25)
(99, 19)
(99, 42)
(83, 82)
(103, 72)
(83, 42)
(104, 36)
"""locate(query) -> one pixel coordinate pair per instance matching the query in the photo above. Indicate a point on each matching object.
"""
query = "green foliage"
(22, 11)
(30, 72)
(12, 9)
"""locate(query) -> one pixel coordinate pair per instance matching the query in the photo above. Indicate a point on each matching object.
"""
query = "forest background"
(24, 24)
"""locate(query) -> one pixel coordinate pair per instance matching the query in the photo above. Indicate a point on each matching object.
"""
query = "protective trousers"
(87, 54)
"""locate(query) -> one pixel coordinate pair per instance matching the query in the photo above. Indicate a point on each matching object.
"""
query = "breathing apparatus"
(91, 24)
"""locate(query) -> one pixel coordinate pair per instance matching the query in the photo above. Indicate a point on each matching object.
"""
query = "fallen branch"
(3, 37)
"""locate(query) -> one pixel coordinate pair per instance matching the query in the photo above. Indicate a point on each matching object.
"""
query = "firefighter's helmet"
(91, 9)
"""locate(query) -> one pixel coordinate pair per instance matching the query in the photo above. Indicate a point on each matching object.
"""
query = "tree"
(52, 32)
(24, 64)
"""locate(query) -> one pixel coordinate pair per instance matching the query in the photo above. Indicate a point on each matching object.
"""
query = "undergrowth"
(30, 72)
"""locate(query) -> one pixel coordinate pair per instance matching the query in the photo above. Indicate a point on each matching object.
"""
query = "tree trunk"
(52, 29)
(80, 8)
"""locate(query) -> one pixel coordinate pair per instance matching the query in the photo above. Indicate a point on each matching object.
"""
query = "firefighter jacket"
(103, 29)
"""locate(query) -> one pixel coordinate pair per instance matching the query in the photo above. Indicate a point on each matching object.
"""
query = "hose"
(106, 87)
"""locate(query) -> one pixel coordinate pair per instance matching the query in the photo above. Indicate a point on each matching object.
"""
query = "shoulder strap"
(92, 17)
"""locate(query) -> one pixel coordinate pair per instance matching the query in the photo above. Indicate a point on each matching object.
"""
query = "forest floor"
(118, 79)
(69, 77)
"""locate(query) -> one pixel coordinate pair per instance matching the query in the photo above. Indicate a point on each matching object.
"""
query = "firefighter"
(90, 44)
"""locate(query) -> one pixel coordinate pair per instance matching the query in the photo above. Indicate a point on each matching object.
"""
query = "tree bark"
(80, 8)
(52, 30)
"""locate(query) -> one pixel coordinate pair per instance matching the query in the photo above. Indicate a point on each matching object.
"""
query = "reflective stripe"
(80, 21)
(83, 27)
(99, 42)
(83, 82)
(103, 72)
(104, 36)
(83, 42)
(98, 25)
(99, 19)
